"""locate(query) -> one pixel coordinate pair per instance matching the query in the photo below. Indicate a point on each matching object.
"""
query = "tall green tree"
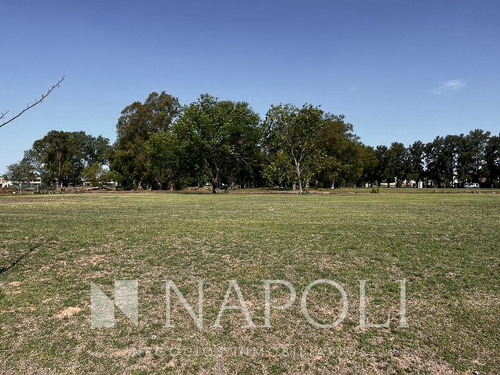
(220, 139)
(135, 126)
(296, 132)
(279, 172)
(471, 162)
(382, 171)
(492, 156)
(416, 168)
(94, 149)
(63, 156)
(166, 156)
(342, 163)
(370, 165)
(58, 151)
(397, 162)
(441, 160)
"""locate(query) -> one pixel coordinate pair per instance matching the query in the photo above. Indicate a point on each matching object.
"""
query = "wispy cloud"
(452, 85)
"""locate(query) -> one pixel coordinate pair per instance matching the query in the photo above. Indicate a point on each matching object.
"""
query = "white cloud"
(452, 85)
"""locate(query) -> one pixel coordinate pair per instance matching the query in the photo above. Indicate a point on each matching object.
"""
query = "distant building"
(37, 182)
(5, 183)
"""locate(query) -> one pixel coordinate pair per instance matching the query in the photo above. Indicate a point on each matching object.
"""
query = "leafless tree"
(29, 106)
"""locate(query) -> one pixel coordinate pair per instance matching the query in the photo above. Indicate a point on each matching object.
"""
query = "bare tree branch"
(29, 106)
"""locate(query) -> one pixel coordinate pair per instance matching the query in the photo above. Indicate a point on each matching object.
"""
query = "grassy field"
(445, 245)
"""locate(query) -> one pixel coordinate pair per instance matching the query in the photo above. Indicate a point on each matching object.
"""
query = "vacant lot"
(445, 245)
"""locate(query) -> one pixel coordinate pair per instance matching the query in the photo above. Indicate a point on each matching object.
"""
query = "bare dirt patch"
(67, 312)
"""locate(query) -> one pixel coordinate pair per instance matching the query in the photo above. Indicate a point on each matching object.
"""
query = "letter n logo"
(102, 308)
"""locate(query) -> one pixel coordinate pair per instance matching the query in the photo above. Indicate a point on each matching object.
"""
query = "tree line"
(163, 145)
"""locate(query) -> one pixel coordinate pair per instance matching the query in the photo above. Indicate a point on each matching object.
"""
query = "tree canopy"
(293, 134)
(136, 124)
(163, 145)
(61, 158)
(212, 140)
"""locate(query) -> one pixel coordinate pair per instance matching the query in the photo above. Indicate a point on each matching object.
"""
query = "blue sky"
(399, 70)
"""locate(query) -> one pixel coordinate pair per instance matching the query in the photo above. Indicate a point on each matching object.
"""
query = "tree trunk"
(215, 187)
(297, 169)
(215, 180)
(59, 168)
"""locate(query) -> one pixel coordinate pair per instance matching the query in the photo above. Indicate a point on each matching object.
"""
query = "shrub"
(375, 190)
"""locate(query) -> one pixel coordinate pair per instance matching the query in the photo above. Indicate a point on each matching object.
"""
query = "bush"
(375, 190)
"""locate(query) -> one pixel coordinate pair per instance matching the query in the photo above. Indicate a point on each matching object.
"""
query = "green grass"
(445, 245)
